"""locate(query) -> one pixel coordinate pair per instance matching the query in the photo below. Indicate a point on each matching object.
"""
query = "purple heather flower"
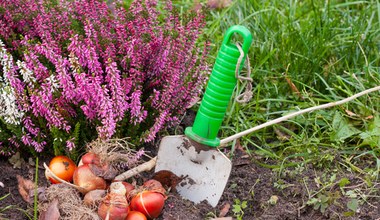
(82, 61)
(70, 145)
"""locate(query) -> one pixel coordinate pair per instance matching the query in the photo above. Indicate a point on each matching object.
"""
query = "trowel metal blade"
(206, 171)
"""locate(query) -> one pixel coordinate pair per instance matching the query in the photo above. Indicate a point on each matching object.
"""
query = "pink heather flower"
(26, 139)
(160, 121)
(135, 158)
(5, 151)
(38, 146)
(70, 144)
(137, 112)
(13, 142)
(99, 64)
(30, 127)
(118, 98)
(33, 65)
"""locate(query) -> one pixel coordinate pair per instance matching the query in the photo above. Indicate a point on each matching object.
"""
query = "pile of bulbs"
(115, 200)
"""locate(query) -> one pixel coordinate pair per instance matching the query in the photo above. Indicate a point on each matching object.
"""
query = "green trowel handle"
(219, 89)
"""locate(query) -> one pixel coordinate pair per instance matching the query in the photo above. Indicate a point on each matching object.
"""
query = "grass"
(11, 208)
(307, 53)
(326, 51)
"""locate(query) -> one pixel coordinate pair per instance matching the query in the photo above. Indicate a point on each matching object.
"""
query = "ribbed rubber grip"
(219, 89)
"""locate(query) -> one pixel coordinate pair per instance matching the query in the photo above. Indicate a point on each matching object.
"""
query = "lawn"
(304, 54)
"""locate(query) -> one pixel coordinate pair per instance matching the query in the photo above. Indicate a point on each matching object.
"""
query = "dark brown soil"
(13, 206)
(259, 187)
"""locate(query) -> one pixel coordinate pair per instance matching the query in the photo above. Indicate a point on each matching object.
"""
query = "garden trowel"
(194, 156)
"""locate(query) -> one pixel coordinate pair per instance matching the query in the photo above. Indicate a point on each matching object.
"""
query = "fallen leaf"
(24, 188)
(52, 212)
(239, 147)
(293, 87)
(16, 160)
(31, 162)
(280, 135)
(350, 113)
(223, 212)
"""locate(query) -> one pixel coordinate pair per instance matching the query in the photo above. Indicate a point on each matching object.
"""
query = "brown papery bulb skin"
(87, 180)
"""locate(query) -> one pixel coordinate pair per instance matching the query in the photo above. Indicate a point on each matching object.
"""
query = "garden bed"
(266, 195)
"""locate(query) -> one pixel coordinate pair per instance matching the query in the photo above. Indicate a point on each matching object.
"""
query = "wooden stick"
(136, 170)
(293, 114)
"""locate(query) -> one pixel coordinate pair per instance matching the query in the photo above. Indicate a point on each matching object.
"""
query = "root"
(115, 151)
(70, 203)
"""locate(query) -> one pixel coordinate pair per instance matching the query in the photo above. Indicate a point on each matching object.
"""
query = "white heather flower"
(8, 110)
(53, 82)
(26, 73)
(5, 61)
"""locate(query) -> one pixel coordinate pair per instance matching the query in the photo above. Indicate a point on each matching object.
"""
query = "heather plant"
(77, 70)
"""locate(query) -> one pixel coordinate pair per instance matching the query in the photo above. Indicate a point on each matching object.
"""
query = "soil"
(13, 206)
(267, 194)
(257, 186)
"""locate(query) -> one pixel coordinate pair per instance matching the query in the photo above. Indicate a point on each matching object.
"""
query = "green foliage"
(238, 208)
(343, 182)
(339, 192)
(342, 129)
(58, 140)
(324, 197)
(11, 208)
(371, 137)
(320, 203)
(4, 208)
(306, 53)
(353, 205)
